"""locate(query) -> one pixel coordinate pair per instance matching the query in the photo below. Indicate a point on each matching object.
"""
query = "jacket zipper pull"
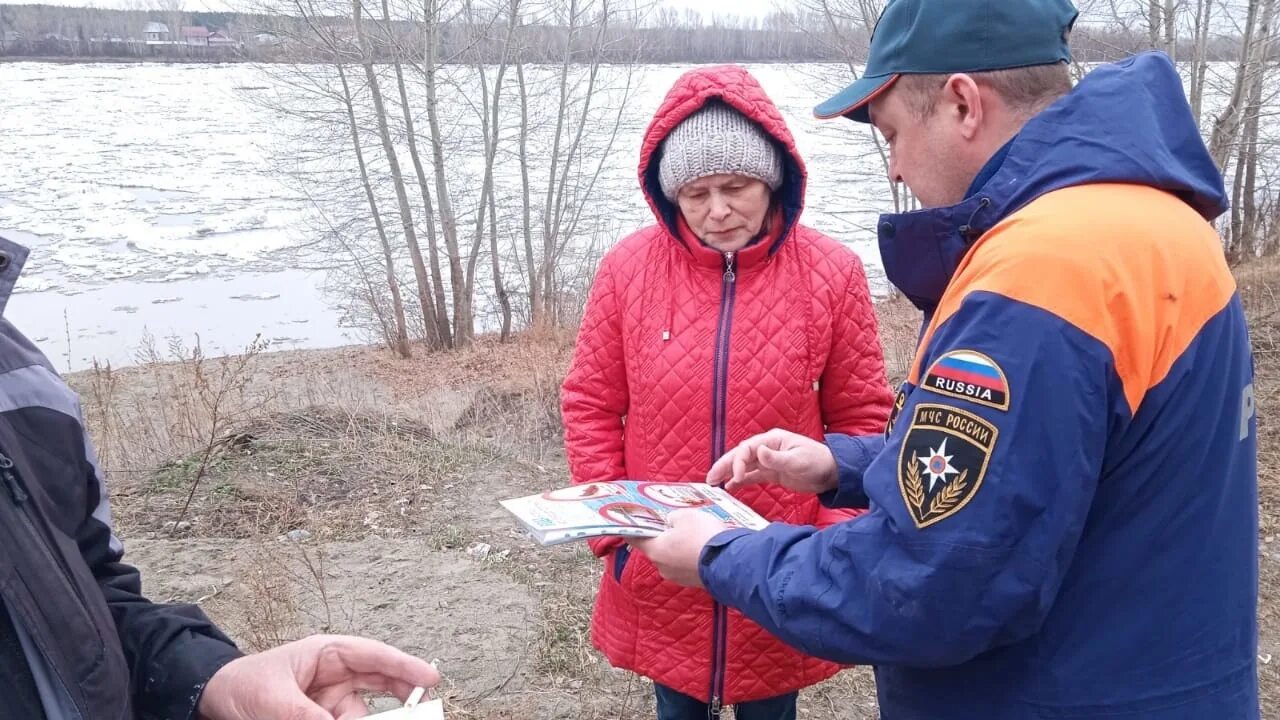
(729, 276)
(716, 708)
(16, 491)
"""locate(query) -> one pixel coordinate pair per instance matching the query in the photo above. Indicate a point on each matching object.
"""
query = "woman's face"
(725, 211)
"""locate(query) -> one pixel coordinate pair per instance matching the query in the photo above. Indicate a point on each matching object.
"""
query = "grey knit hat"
(717, 140)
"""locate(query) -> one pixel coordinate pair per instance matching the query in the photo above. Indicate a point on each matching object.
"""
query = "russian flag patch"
(969, 375)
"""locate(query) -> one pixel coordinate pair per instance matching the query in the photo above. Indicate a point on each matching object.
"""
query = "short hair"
(1026, 90)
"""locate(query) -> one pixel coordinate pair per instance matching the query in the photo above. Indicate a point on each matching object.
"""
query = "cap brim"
(852, 101)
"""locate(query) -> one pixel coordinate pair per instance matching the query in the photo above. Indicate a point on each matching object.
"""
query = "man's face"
(928, 153)
(724, 211)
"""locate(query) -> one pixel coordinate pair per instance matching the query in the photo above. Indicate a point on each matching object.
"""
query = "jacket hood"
(736, 87)
(1126, 122)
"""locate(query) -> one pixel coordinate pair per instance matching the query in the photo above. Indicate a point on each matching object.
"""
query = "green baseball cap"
(955, 36)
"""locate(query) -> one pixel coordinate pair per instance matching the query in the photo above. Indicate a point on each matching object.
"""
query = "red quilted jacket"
(679, 358)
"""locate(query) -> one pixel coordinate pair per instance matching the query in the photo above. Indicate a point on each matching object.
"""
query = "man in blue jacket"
(1063, 507)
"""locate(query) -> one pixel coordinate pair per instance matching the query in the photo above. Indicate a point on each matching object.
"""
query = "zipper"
(720, 368)
(20, 497)
(719, 411)
(16, 491)
(719, 642)
(41, 534)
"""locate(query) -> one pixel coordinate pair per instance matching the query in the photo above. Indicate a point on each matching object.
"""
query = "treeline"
(803, 35)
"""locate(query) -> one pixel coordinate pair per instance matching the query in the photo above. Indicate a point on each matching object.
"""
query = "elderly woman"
(724, 319)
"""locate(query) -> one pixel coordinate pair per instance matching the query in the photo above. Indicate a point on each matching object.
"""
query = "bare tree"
(1227, 126)
(526, 200)
(448, 221)
(406, 211)
(443, 330)
(329, 105)
(568, 126)
(1245, 221)
(1154, 9)
(399, 338)
(545, 275)
(1200, 55)
(490, 128)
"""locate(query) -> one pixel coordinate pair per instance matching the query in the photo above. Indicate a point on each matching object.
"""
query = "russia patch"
(969, 375)
(942, 462)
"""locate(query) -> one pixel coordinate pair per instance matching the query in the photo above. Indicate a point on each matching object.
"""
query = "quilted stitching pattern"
(640, 406)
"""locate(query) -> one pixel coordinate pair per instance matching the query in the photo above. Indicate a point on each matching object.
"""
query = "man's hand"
(675, 552)
(317, 678)
(793, 461)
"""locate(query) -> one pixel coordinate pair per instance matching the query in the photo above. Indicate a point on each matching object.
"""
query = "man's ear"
(963, 99)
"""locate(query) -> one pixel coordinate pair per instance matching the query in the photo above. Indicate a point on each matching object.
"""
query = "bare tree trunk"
(399, 340)
(1200, 59)
(1249, 145)
(434, 341)
(448, 221)
(1227, 126)
(536, 310)
(566, 231)
(1271, 241)
(558, 230)
(499, 288)
(547, 272)
(1249, 198)
(489, 136)
(490, 117)
(1244, 110)
(1153, 23)
(441, 318)
(1170, 17)
(1235, 231)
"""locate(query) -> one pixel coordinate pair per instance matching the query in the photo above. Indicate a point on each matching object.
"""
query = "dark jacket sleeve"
(172, 650)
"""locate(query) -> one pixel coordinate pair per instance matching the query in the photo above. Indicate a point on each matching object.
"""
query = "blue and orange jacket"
(1063, 509)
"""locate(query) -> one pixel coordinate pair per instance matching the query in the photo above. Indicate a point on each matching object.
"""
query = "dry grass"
(324, 470)
(252, 450)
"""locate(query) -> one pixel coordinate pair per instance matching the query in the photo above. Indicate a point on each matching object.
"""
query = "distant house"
(220, 38)
(156, 32)
(195, 35)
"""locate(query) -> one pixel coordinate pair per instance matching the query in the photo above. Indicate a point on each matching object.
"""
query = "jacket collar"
(1127, 122)
(758, 251)
(922, 249)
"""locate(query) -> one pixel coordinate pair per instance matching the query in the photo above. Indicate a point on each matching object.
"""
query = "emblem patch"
(969, 375)
(899, 402)
(942, 462)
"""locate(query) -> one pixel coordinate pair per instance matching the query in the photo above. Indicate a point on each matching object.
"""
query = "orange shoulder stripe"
(1131, 266)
